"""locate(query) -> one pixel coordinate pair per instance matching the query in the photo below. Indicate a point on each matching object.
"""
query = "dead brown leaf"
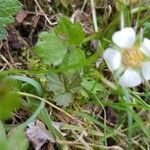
(39, 136)
(21, 16)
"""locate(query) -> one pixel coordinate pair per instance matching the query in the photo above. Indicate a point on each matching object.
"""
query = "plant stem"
(105, 118)
(122, 20)
(130, 119)
(94, 15)
(139, 9)
(49, 103)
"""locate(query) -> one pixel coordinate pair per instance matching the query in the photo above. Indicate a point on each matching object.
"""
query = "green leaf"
(3, 33)
(50, 48)
(146, 26)
(63, 99)
(74, 56)
(5, 21)
(9, 100)
(91, 85)
(30, 81)
(8, 8)
(3, 138)
(2, 132)
(56, 84)
(18, 140)
(69, 32)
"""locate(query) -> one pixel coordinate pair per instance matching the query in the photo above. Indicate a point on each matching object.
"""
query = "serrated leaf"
(69, 32)
(73, 76)
(63, 99)
(50, 48)
(8, 8)
(61, 96)
(55, 84)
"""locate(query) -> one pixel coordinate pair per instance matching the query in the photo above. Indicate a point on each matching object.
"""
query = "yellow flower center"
(132, 57)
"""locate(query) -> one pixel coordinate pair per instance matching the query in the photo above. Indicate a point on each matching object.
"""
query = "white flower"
(133, 59)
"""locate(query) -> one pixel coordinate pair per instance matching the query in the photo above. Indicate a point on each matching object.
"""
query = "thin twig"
(84, 4)
(4, 67)
(43, 13)
(6, 61)
(8, 51)
(49, 103)
(94, 15)
(82, 141)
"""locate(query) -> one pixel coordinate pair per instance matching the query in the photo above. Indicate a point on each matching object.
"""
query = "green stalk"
(130, 119)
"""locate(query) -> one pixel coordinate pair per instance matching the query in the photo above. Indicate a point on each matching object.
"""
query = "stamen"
(132, 57)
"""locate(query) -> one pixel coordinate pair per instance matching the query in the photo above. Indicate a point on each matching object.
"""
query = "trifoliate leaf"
(50, 48)
(69, 32)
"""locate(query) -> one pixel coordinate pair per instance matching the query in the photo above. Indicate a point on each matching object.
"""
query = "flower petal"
(112, 58)
(145, 47)
(130, 78)
(146, 70)
(124, 38)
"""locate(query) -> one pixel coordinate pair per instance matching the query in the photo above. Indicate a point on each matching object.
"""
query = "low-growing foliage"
(8, 9)
(64, 80)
